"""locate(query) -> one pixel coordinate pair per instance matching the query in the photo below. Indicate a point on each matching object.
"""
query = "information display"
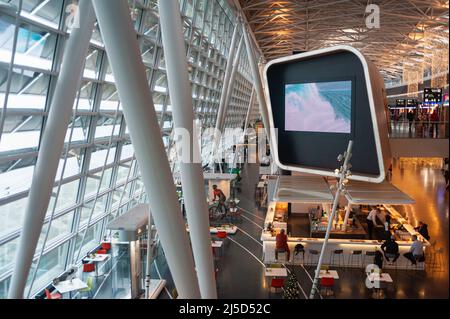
(432, 95)
(319, 107)
(400, 103)
(411, 103)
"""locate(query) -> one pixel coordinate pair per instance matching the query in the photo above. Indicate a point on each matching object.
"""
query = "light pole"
(343, 172)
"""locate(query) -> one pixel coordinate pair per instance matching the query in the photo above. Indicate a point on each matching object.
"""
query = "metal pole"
(229, 92)
(226, 81)
(191, 170)
(51, 146)
(342, 177)
(123, 52)
(347, 214)
(257, 81)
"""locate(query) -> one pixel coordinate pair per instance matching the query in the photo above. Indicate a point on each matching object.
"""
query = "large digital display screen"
(431, 95)
(324, 107)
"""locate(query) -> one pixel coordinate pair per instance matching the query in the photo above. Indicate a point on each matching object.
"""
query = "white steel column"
(51, 146)
(231, 82)
(191, 172)
(257, 81)
(226, 82)
(123, 52)
(226, 78)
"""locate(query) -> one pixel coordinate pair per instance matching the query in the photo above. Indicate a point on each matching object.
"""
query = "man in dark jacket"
(410, 116)
(423, 230)
(390, 249)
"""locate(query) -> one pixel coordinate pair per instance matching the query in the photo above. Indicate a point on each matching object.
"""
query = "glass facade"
(97, 177)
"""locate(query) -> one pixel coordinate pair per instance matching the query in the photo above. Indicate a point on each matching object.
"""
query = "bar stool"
(420, 261)
(313, 255)
(337, 255)
(276, 283)
(368, 254)
(355, 255)
(283, 254)
(297, 255)
(438, 259)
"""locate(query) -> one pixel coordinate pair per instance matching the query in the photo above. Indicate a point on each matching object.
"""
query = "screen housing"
(370, 87)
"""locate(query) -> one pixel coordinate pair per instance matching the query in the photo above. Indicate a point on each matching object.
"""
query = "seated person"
(282, 245)
(217, 192)
(423, 230)
(415, 252)
(234, 210)
(390, 249)
(378, 259)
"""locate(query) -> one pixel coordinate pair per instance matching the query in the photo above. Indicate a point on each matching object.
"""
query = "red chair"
(106, 246)
(54, 295)
(101, 251)
(328, 284)
(276, 283)
(221, 234)
(89, 267)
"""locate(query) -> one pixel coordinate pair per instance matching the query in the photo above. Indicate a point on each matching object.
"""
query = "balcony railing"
(418, 129)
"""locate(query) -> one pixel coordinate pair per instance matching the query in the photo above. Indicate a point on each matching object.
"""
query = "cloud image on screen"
(318, 107)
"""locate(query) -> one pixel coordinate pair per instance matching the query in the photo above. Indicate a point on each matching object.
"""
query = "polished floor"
(241, 272)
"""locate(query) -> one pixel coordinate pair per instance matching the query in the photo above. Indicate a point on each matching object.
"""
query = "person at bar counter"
(390, 249)
(410, 116)
(387, 225)
(282, 245)
(372, 220)
(423, 230)
(415, 253)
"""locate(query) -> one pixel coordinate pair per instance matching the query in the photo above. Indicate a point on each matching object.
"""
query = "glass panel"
(98, 157)
(92, 239)
(7, 254)
(11, 216)
(28, 89)
(21, 133)
(50, 266)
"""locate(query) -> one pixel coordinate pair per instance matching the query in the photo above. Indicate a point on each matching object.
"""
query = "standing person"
(415, 252)
(434, 123)
(410, 117)
(389, 173)
(390, 249)
(387, 225)
(282, 245)
(423, 230)
(372, 221)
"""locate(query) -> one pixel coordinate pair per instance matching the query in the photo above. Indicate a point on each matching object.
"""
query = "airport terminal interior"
(316, 164)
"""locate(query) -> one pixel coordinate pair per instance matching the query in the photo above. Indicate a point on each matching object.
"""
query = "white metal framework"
(408, 32)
